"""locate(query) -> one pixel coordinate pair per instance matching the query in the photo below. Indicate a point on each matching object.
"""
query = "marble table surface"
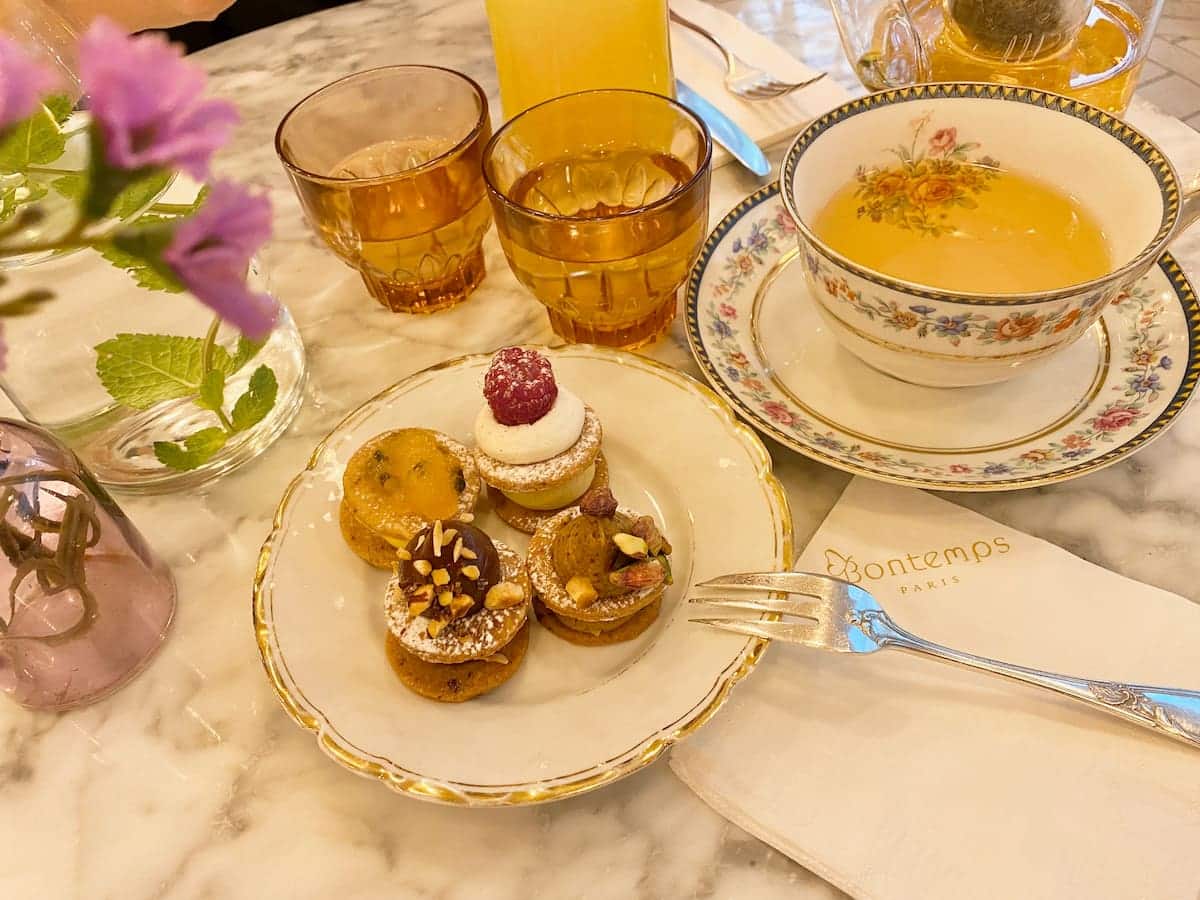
(192, 783)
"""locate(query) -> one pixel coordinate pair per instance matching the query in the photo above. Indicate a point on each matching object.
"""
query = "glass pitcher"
(1089, 49)
(543, 53)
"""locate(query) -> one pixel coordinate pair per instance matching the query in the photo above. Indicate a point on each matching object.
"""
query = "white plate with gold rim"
(764, 347)
(573, 718)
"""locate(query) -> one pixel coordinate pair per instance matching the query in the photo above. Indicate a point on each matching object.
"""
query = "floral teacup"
(950, 339)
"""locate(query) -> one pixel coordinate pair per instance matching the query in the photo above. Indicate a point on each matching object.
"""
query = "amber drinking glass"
(601, 204)
(386, 164)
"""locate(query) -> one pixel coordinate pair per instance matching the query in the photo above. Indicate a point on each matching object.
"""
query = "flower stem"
(69, 241)
(210, 343)
(51, 170)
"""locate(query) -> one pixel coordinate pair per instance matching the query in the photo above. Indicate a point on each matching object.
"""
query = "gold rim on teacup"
(1180, 209)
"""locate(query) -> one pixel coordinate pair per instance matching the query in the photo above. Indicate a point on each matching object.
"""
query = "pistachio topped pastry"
(599, 570)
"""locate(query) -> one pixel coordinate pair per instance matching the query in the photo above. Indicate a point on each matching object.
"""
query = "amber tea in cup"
(601, 204)
(387, 166)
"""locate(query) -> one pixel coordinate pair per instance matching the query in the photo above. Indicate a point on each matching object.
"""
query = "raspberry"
(519, 386)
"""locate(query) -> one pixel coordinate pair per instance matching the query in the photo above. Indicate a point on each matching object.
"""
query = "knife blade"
(724, 130)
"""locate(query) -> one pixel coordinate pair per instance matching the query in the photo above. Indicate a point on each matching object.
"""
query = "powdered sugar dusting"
(475, 636)
(537, 476)
(519, 386)
(551, 590)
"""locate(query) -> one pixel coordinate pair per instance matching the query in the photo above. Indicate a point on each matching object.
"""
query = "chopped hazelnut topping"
(458, 549)
(441, 577)
(437, 538)
(423, 566)
(403, 554)
(445, 598)
(435, 627)
(468, 553)
(471, 572)
(581, 591)
(415, 609)
(504, 595)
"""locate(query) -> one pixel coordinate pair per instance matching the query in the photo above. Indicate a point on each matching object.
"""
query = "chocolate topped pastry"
(457, 610)
(447, 570)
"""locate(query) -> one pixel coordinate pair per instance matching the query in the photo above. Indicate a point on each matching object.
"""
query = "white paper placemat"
(902, 778)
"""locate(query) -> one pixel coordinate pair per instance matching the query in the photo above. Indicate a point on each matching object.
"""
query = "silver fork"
(740, 78)
(845, 618)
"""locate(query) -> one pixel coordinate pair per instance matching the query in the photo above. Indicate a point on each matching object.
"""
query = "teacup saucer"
(762, 344)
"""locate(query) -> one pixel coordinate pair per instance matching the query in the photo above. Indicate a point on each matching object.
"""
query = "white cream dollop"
(556, 431)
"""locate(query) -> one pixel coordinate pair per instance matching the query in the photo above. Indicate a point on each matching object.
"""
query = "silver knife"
(724, 130)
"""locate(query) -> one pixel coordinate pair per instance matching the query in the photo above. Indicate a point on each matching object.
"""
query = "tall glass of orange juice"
(545, 48)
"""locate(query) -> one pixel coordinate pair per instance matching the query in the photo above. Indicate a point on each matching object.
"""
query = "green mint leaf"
(60, 107)
(253, 406)
(138, 195)
(71, 187)
(197, 449)
(162, 211)
(8, 203)
(212, 390)
(139, 252)
(35, 141)
(140, 370)
(143, 274)
(34, 191)
(246, 351)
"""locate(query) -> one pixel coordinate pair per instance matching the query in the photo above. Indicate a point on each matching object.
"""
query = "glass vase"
(86, 602)
(112, 365)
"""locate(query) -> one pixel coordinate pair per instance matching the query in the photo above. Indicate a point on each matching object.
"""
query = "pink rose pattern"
(1146, 362)
(943, 141)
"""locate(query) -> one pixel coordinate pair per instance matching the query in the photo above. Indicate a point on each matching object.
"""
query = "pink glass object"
(84, 601)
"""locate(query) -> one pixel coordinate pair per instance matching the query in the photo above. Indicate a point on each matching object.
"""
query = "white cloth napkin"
(699, 64)
(898, 777)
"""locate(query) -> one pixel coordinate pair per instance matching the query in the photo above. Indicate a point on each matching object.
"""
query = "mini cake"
(398, 482)
(457, 612)
(599, 571)
(538, 446)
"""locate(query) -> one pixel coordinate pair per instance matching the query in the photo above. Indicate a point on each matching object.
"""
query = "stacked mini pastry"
(398, 482)
(599, 571)
(538, 445)
(457, 611)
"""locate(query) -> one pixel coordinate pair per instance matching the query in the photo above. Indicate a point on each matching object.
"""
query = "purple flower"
(1165, 362)
(952, 325)
(211, 251)
(721, 327)
(23, 83)
(997, 469)
(1144, 384)
(148, 102)
(923, 310)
